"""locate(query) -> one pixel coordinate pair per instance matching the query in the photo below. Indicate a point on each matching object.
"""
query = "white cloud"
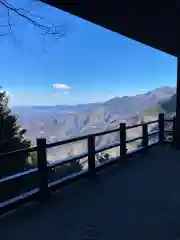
(141, 89)
(60, 86)
(66, 93)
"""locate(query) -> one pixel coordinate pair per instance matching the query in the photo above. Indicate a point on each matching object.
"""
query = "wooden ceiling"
(154, 23)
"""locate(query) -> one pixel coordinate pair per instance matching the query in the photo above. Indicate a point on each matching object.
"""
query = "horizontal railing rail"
(19, 175)
(106, 132)
(133, 139)
(140, 124)
(169, 131)
(67, 141)
(13, 201)
(42, 170)
(153, 133)
(168, 120)
(106, 147)
(134, 126)
(15, 152)
(67, 160)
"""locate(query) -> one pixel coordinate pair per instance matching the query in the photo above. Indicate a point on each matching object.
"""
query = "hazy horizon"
(64, 105)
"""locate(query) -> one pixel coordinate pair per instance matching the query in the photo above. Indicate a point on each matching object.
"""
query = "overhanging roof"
(154, 23)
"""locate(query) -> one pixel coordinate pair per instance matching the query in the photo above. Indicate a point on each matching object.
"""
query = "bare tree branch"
(10, 28)
(39, 22)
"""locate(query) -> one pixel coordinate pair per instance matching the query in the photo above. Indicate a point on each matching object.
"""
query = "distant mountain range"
(28, 110)
(61, 122)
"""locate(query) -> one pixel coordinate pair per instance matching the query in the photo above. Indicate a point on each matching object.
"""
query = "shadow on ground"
(138, 201)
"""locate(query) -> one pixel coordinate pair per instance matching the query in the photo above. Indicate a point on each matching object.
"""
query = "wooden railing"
(44, 186)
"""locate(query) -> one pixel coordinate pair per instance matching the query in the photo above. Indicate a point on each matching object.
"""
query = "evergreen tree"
(11, 138)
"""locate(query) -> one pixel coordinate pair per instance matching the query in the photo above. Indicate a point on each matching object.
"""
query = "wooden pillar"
(123, 142)
(91, 155)
(177, 132)
(161, 128)
(42, 168)
(145, 135)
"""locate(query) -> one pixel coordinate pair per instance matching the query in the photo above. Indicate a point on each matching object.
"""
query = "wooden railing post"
(42, 168)
(161, 128)
(123, 141)
(174, 129)
(145, 135)
(91, 155)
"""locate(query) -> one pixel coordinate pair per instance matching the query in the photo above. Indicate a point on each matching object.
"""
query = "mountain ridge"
(56, 125)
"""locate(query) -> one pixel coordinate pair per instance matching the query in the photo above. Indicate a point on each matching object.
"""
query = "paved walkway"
(139, 201)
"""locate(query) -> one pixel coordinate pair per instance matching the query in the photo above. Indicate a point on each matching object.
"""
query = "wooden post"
(161, 128)
(145, 135)
(91, 155)
(42, 168)
(123, 141)
(174, 129)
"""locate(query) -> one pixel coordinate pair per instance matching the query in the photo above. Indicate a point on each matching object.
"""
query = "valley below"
(57, 123)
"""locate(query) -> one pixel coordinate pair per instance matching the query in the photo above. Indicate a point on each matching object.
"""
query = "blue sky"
(89, 64)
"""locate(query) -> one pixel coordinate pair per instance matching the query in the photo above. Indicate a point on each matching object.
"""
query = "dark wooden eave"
(154, 23)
